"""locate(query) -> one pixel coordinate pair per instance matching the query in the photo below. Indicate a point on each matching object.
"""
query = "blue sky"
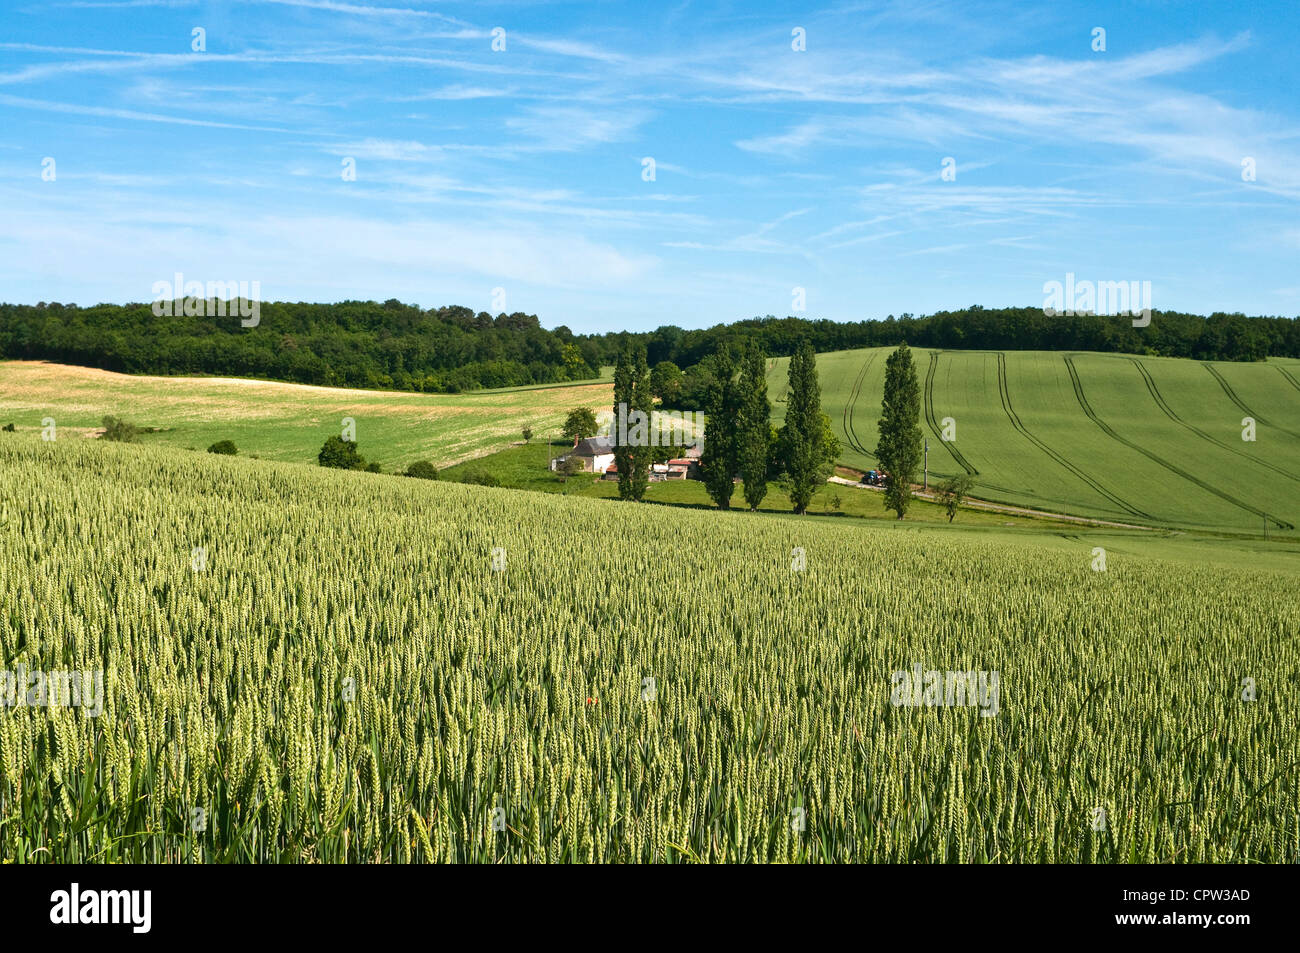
(775, 169)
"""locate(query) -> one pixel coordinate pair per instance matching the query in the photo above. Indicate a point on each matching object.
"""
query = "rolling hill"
(289, 422)
(1146, 440)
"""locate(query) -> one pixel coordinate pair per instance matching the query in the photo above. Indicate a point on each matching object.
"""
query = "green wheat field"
(372, 669)
(1144, 440)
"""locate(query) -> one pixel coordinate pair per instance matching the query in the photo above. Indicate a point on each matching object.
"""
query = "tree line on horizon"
(450, 349)
(389, 346)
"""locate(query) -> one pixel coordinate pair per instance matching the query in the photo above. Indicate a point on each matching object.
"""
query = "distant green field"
(289, 422)
(1144, 440)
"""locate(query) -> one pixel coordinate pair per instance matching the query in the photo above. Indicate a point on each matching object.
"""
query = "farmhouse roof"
(592, 447)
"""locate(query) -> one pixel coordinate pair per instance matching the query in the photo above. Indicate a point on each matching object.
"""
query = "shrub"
(422, 470)
(226, 447)
(115, 428)
(8, 428)
(373, 468)
(479, 477)
(341, 455)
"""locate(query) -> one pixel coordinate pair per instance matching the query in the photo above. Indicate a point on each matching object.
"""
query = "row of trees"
(739, 440)
(400, 346)
(1219, 337)
(349, 344)
(405, 347)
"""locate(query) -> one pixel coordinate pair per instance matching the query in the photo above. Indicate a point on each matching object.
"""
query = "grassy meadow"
(289, 422)
(371, 668)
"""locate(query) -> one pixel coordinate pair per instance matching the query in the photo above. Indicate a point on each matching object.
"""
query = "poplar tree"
(899, 449)
(753, 428)
(642, 400)
(803, 442)
(631, 437)
(718, 461)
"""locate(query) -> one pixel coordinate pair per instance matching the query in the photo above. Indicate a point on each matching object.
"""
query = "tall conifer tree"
(630, 430)
(802, 438)
(718, 462)
(753, 427)
(899, 449)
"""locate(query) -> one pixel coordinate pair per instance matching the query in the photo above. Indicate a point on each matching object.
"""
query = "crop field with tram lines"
(1137, 439)
(367, 668)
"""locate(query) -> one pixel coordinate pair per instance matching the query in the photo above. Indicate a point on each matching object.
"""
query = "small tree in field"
(952, 492)
(580, 423)
(528, 434)
(226, 447)
(340, 454)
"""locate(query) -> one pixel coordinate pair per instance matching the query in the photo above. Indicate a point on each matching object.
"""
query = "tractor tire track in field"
(847, 419)
(1004, 392)
(1287, 374)
(1169, 412)
(934, 423)
(1155, 458)
(1232, 396)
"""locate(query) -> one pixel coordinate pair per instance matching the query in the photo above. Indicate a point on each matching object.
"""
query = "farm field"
(1146, 440)
(288, 422)
(1149, 441)
(348, 678)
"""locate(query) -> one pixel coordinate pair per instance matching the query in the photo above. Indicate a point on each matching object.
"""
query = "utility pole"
(926, 484)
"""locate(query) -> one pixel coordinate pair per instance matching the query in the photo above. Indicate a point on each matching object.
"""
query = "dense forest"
(404, 347)
(349, 344)
(1220, 337)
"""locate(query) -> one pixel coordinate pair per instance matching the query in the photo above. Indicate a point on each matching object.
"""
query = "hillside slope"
(1121, 437)
(289, 422)
(348, 676)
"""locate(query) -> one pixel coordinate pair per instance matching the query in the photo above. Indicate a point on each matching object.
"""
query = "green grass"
(288, 422)
(1154, 441)
(524, 468)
